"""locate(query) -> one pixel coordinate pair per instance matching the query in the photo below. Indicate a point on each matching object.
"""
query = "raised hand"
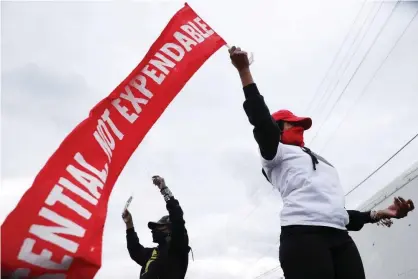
(159, 182)
(239, 58)
(127, 217)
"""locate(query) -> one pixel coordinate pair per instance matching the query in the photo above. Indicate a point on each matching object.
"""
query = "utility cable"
(381, 166)
(369, 83)
(356, 71)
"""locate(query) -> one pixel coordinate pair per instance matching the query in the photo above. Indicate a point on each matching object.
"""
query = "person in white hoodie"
(314, 240)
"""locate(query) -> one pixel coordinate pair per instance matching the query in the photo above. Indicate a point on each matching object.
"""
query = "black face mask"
(159, 236)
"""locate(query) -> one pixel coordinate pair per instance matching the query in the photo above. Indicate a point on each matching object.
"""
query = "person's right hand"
(127, 217)
(239, 58)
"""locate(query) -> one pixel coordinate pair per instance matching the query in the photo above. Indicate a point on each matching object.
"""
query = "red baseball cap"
(288, 116)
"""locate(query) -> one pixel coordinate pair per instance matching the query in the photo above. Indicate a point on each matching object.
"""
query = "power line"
(381, 166)
(358, 185)
(326, 96)
(375, 204)
(268, 272)
(313, 99)
(383, 62)
(336, 56)
(268, 251)
(334, 60)
(276, 268)
(355, 72)
(370, 82)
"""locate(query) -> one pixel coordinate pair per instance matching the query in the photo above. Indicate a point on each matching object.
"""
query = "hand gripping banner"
(56, 229)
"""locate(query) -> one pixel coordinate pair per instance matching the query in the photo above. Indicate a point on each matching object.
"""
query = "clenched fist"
(239, 58)
(159, 182)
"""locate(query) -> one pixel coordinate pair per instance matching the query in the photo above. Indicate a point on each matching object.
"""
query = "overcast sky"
(59, 59)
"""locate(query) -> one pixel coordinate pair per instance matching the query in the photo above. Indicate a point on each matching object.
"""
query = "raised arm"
(179, 237)
(266, 130)
(137, 252)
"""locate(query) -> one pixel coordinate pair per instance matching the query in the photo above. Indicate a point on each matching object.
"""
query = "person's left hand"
(158, 181)
(399, 209)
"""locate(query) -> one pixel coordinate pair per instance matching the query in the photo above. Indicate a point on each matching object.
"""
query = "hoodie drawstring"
(313, 157)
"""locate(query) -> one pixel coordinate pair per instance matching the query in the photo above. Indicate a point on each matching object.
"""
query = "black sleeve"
(179, 237)
(358, 219)
(266, 130)
(137, 252)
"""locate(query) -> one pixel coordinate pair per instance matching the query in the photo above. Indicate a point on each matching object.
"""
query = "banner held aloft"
(56, 229)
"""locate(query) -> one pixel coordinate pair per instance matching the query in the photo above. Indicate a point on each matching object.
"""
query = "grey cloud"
(37, 113)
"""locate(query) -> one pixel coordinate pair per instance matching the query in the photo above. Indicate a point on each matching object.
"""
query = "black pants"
(310, 252)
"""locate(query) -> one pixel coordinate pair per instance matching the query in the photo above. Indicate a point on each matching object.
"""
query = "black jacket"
(168, 261)
(267, 134)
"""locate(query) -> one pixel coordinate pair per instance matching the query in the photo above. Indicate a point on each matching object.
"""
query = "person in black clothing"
(314, 240)
(170, 259)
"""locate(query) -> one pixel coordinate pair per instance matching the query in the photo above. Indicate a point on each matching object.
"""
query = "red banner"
(56, 229)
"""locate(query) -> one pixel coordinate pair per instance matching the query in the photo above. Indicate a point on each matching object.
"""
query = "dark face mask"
(159, 236)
